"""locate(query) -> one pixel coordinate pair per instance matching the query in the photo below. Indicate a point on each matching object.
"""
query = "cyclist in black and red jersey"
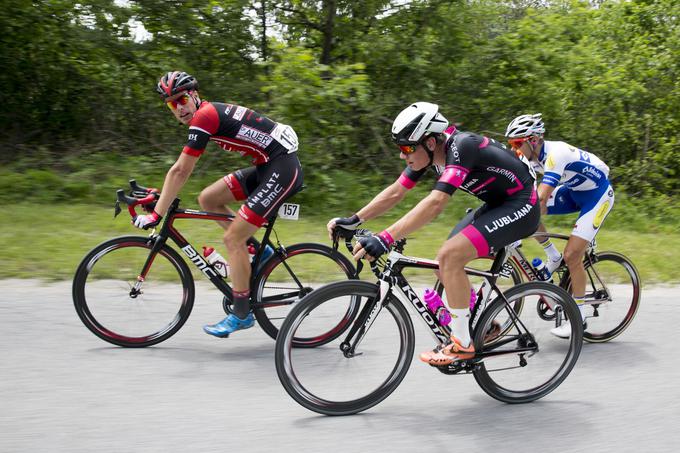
(462, 160)
(275, 176)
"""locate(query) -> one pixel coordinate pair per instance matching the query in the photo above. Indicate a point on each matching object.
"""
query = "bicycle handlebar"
(139, 195)
(348, 235)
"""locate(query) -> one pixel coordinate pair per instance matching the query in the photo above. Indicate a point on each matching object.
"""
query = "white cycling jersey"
(563, 164)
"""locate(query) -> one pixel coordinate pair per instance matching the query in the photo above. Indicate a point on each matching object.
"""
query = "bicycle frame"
(529, 271)
(168, 230)
(393, 282)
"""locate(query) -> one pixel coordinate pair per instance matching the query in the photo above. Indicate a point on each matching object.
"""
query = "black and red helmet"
(175, 82)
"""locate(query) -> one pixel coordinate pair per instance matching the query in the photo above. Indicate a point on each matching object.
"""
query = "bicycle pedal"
(457, 367)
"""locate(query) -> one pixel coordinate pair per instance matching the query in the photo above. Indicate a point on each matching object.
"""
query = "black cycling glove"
(349, 224)
(376, 245)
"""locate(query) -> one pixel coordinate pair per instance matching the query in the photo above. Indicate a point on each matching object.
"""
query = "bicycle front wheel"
(357, 370)
(117, 308)
(526, 362)
(612, 295)
(285, 278)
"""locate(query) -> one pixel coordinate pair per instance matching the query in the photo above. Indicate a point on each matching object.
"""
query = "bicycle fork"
(364, 321)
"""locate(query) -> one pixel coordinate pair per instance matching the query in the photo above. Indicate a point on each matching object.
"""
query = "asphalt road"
(64, 390)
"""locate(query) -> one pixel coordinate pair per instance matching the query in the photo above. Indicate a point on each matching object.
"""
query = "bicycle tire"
(278, 273)
(290, 376)
(590, 335)
(485, 376)
(95, 277)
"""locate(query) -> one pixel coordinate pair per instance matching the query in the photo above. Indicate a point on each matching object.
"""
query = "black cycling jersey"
(480, 166)
(239, 129)
(505, 182)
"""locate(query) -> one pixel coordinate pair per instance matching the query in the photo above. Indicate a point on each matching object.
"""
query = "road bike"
(613, 285)
(517, 360)
(137, 291)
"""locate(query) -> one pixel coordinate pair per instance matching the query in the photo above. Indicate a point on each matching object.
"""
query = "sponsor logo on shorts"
(508, 219)
(601, 213)
(268, 193)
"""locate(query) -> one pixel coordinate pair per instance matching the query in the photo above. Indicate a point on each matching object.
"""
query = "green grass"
(48, 241)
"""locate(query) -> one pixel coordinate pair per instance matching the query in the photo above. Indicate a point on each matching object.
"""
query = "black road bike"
(517, 360)
(137, 291)
(613, 287)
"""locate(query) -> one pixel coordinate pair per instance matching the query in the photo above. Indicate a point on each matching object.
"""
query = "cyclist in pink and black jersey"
(465, 161)
(275, 176)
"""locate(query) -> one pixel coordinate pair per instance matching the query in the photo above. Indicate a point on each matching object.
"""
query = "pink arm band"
(387, 237)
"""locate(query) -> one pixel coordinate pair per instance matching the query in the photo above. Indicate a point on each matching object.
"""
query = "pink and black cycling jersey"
(490, 172)
(479, 166)
(239, 129)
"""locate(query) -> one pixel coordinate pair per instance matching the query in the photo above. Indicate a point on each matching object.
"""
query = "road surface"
(64, 390)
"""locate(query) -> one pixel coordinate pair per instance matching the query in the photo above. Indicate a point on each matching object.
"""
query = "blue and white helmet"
(526, 126)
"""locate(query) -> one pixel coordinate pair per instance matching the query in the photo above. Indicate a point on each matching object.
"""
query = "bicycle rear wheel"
(531, 361)
(285, 278)
(107, 302)
(329, 379)
(612, 295)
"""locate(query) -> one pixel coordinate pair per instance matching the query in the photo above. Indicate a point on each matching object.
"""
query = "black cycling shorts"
(492, 228)
(265, 187)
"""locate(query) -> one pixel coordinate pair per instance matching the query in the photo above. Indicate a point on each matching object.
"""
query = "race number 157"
(289, 211)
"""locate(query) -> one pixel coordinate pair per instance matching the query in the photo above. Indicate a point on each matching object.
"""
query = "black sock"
(241, 303)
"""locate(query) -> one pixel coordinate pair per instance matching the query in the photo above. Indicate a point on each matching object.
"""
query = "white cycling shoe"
(552, 265)
(564, 330)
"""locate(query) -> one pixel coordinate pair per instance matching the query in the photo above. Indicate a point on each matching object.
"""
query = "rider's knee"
(450, 258)
(573, 257)
(204, 200)
(230, 240)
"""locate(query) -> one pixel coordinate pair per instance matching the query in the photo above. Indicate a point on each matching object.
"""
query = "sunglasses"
(182, 100)
(408, 149)
(516, 143)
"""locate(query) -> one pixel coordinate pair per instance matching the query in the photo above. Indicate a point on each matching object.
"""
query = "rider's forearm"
(382, 202)
(174, 181)
(422, 214)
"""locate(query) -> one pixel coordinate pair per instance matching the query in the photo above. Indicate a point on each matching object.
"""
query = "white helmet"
(415, 121)
(526, 126)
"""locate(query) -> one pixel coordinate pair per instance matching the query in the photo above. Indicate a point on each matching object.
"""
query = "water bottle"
(216, 260)
(436, 306)
(541, 269)
(473, 298)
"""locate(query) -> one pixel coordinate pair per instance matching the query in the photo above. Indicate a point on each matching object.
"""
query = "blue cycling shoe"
(229, 325)
(266, 254)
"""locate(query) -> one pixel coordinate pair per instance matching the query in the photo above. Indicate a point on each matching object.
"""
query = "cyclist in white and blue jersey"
(573, 181)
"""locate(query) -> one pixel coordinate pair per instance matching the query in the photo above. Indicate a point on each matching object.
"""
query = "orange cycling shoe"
(449, 353)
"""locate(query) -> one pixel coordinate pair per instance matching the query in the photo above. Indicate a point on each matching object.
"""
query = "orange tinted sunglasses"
(408, 149)
(516, 143)
(182, 100)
